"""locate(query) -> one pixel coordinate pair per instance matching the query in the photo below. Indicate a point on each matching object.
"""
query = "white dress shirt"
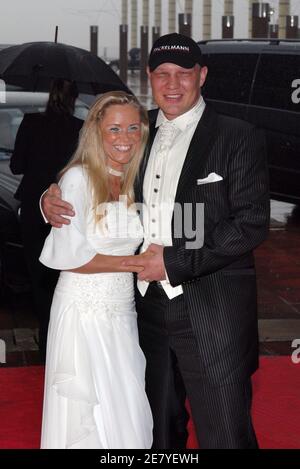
(164, 167)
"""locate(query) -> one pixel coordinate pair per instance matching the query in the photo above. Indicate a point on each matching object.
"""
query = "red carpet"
(276, 407)
(21, 391)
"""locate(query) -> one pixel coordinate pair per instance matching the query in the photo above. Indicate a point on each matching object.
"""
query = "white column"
(188, 7)
(206, 19)
(134, 20)
(172, 16)
(250, 17)
(284, 11)
(157, 14)
(124, 11)
(228, 8)
(145, 17)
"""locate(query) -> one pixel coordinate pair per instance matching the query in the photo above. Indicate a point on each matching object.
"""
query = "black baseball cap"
(177, 49)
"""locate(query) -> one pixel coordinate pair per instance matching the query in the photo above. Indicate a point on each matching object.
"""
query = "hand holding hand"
(54, 208)
(152, 262)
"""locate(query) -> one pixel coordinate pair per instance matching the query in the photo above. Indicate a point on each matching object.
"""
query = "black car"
(259, 81)
(13, 271)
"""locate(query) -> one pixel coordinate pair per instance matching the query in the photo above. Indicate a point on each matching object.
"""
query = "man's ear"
(148, 72)
(203, 75)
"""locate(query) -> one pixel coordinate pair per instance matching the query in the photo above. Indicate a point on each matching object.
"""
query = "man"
(196, 297)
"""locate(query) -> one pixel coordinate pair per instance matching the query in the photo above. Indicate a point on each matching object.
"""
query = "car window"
(81, 112)
(229, 76)
(11, 118)
(273, 84)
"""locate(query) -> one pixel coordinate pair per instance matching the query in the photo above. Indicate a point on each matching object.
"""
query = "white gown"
(95, 370)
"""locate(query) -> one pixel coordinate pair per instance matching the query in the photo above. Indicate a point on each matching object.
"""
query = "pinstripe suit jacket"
(218, 279)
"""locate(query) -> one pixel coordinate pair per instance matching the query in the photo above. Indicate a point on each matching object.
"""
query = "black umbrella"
(32, 66)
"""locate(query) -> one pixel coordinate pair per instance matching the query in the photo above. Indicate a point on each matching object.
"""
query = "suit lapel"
(152, 134)
(140, 182)
(196, 156)
(199, 148)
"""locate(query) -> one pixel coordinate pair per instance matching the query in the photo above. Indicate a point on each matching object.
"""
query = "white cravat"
(164, 167)
(167, 133)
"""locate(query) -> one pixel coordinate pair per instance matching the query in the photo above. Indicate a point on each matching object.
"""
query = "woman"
(94, 388)
(44, 144)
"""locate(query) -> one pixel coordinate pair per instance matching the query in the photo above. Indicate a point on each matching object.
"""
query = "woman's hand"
(128, 263)
(152, 262)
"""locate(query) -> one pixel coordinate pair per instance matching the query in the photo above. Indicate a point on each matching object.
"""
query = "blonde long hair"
(91, 156)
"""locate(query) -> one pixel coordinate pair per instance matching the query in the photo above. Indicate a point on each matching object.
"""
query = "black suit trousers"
(221, 414)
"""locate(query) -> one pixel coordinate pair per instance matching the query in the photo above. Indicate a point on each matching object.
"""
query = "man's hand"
(54, 208)
(152, 261)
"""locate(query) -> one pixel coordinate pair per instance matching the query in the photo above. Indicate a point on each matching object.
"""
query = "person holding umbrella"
(33, 65)
(95, 369)
(44, 144)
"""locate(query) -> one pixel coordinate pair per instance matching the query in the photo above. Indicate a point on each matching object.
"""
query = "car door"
(229, 80)
(274, 107)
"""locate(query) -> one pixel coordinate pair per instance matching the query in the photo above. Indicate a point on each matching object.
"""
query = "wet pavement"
(278, 269)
